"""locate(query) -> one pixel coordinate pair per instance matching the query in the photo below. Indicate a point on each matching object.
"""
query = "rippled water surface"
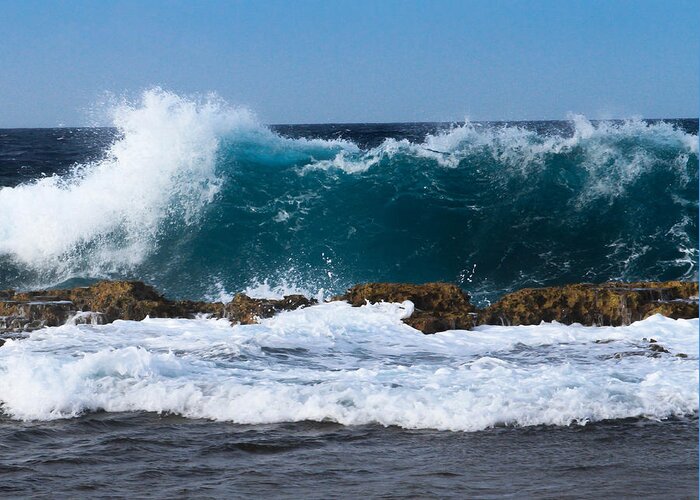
(147, 455)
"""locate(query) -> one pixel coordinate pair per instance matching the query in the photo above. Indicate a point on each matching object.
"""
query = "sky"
(339, 61)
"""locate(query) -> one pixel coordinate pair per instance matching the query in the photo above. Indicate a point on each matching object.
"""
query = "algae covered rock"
(128, 300)
(246, 310)
(438, 306)
(612, 304)
(27, 315)
(108, 301)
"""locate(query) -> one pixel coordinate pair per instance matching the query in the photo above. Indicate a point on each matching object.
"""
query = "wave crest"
(194, 193)
(110, 213)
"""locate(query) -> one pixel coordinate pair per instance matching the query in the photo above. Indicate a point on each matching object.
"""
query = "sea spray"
(199, 199)
(108, 214)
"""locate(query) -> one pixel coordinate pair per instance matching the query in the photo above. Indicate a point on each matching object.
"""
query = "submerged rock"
(612, 304)
(438, 306)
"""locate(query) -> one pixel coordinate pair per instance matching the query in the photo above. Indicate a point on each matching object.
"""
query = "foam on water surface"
(332, 362)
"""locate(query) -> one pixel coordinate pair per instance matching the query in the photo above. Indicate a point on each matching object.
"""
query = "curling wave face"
(332, 362)
(199, 199)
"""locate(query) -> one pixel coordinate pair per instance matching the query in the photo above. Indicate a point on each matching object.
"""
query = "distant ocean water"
(202, 201)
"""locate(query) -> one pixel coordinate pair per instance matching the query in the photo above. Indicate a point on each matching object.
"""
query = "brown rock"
(127, 300)
(246, 310)
(33, 314)
(611, 303)
(438, 306)
(109, 300)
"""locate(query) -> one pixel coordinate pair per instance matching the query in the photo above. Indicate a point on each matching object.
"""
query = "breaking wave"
(199, 199)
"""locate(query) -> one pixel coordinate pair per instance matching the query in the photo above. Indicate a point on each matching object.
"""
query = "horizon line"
(440, 122)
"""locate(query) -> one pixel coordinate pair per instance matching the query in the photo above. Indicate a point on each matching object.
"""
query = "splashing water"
(198, 198)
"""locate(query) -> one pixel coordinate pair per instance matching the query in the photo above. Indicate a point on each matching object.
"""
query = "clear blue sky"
(355, 61)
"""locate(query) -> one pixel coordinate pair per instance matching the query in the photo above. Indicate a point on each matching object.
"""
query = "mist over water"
(199, 199)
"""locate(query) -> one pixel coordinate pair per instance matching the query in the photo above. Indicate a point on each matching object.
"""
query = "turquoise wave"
(238, 205)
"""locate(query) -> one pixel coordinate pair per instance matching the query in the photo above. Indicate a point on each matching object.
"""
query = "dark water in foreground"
(146, 455)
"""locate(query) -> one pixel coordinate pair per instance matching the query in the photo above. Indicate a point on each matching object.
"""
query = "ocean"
(202, 201)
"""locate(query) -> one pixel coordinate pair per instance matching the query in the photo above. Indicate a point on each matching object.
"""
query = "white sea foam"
(161, 167)
(161, 171)
(353, 366)
(521, 150)
(265, 290)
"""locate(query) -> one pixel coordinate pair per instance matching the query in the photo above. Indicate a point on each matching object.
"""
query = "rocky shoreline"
(437, 306)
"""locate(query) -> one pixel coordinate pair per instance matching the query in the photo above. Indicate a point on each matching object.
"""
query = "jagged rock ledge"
(613, 304)
(442, 306)
(438, 306)
(108, 301)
